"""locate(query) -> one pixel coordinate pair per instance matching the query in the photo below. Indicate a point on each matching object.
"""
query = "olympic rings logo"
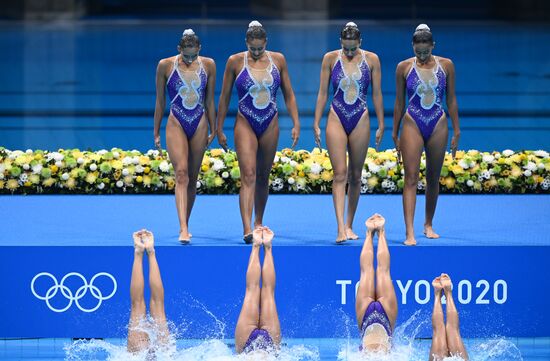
(78, 295)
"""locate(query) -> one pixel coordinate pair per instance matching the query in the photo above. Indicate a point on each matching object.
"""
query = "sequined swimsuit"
(187, 92)
(259, 339)
(258, 94)
(425, 90)
(350, 92)
(375, 313)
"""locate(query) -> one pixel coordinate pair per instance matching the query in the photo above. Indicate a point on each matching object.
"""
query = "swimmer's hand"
(454, 143)
(295, 136)
(379, 135)
(222, 140)
(210, 139)
(157, 142)
(317, 135)
(396, 142)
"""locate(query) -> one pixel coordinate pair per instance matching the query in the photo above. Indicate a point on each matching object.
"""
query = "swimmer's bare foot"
(436, 283)
(411, 241)
(341, 237)
(257, 237)
(268, 237)
(446, 282)
(429, 232)
(139, 247)
(350, 234)
(148, 241)
(375, 223)
(184, 237)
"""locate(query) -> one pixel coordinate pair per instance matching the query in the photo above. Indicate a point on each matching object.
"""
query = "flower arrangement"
(294, 171)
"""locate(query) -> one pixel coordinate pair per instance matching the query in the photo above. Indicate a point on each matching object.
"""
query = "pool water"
(527, 349)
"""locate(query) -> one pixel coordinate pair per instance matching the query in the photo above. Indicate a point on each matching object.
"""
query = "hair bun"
(422, 27)
(188, 32)
(351, 24)
(254, 23)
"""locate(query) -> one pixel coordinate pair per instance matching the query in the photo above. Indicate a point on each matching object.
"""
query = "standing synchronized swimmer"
(350, 70)
(446, 338)
(426, 79)
(258, 325)
(376, 302)
(190, 80)
(257, 74)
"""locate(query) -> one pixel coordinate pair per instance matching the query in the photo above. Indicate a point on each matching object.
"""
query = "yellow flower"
(450, 182)
(2, 184)
(299, 167)
(27, 184)
(144, 160)
(456, 169)
(327, 164)
(54, 169)
(116, 164)
(146, 170)
(139, 179)
(170, 182)
(91, 178)
(38, 156)
(391, 172)
(216, 152)
(301, 174)
(34, 178)
(218, 181)
(128, 180)
(48, 182)
(326, 176)
(205, 167)
(147, 180)
(71, 183)
(313, 177)
(12, 185)
(516, 172)
(372, 182)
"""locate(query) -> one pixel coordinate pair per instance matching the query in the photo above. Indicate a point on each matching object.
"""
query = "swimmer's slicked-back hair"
(189, 39)
(350, 32)
(255, 31)
(422, 34)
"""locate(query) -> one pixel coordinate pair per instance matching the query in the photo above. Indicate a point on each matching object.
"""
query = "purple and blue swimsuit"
(187, 93)
(349, 101)
(425, 90)
(257, 89)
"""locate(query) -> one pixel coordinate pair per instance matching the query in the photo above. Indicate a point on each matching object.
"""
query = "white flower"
(530, 166)
(364, 173)
(135, 160)
(57, 156)
(125, 172)
(364, 180)
(35, 169)
(540, 166)
(470, 183)
(276, 159)
(368, 175)
(1, 176)
(374, 168)
(462, 163)
(65, 176)
(299, 186)
(420, 185)
(14, 154)
(480, 178)
(488, 158)
(93, 167)
(116, 155)
(364, 188)
(225, 175)
(139, 168)
(26, 166)
(3, 167)
(101, 185)
(218, 164)
(198, 184)
(101, 152)
(541, 154)
(507, 152)
(497, 156)
(485, 174)
(290, 180)
(293, 163)
(385, 183)
(545, 184)
(164, 166)
(153, 152)
(23, 177)
(59, 164)
(126, 161)
(423, 162)
(80, 160)
(389, 165)
(285, 159)
(28, 151)
(527, 173)
(316, 168)
(119, 184)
